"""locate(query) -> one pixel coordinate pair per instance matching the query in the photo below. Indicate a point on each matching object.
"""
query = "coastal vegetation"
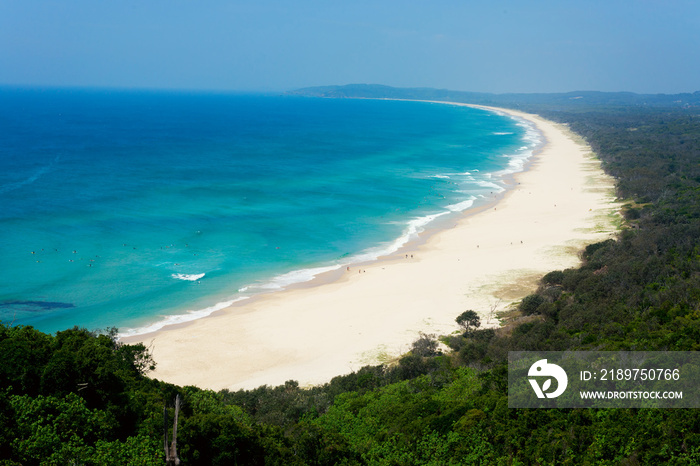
(82, 397)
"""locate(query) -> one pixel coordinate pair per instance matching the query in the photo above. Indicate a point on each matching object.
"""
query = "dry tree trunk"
(171, 458)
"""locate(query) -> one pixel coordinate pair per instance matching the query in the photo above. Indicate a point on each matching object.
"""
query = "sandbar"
(486, 259)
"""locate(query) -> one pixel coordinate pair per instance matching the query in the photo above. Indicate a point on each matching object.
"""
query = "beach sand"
(487, 259)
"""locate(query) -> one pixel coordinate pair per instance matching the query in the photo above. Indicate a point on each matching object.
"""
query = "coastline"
(490, 257)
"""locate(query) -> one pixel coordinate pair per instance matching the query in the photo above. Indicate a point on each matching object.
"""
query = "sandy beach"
(487, 259)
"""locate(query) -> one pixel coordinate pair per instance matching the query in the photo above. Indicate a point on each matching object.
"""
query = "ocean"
(137, 209)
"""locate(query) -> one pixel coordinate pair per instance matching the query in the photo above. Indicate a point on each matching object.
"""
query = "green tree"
(468, 320)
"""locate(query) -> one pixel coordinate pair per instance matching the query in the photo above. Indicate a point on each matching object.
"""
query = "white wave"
(468, 175)
(188, 277)
(516, 163)
(460, 206)
(180, 318)
(501, 134)
(412, 230)
(444, 177)
(296, 276)
(489, 184)
(532, 136)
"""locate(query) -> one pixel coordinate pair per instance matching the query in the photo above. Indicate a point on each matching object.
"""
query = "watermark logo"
(543, 369)
(603, 379)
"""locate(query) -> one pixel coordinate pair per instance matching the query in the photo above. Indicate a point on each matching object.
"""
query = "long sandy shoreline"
(486, 260)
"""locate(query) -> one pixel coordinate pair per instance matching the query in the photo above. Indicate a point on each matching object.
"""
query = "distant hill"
(568, 101)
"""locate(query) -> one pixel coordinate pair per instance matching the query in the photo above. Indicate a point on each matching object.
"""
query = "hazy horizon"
(506, 46)
(184, 90)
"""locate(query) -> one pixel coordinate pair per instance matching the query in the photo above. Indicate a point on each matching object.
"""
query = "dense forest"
(80, 397)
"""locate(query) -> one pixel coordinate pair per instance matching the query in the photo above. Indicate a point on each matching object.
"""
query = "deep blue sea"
(134, 209)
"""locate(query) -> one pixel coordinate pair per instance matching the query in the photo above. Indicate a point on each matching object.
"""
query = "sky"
(500, 46)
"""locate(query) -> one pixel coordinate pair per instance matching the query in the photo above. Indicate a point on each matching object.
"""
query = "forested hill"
(581, 100)
(78, 397)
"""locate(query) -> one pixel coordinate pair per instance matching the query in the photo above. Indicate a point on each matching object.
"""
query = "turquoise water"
(137, 209)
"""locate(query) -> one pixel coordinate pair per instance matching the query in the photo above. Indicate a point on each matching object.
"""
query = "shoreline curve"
(491, 257)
